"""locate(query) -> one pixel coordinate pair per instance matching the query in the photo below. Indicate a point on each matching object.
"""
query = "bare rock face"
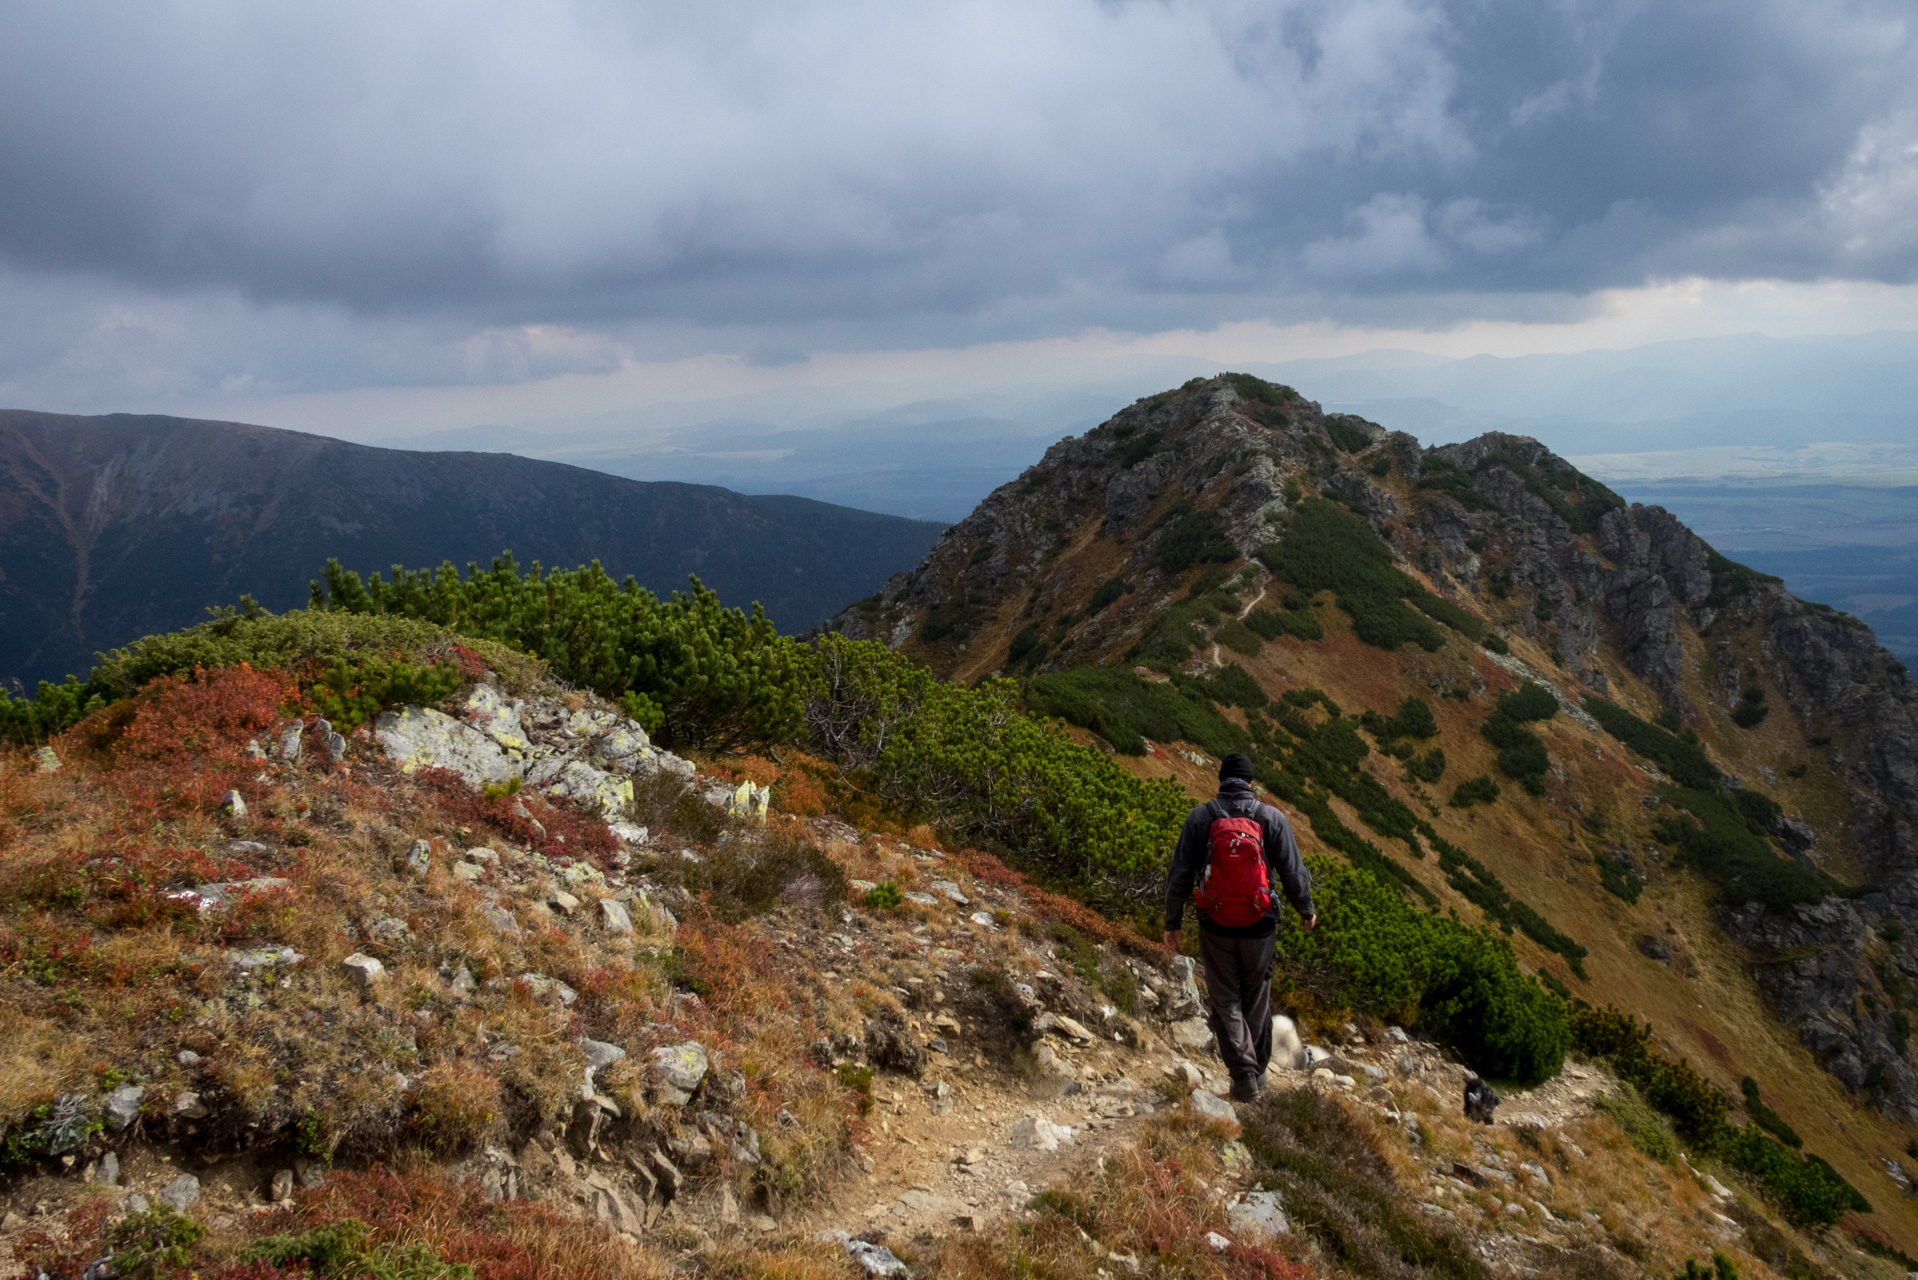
(1809, 967)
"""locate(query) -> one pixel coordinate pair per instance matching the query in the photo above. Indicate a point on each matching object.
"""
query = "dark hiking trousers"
(1238, 984)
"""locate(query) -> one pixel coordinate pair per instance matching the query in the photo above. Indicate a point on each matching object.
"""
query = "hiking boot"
(1247, 1088)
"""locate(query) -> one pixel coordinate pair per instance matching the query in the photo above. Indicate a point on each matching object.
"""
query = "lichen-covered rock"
(123, 1105)
(680, 1069)
(589, 757)
(1258, 1217)
(420, 738)
(614, 916)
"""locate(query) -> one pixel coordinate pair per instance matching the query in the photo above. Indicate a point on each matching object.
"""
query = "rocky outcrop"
(1809, 966)
(589, 756)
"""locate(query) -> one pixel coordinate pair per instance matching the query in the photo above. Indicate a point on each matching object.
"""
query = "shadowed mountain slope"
(120, 526)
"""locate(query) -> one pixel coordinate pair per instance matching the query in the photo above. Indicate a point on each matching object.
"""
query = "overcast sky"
(293, 210)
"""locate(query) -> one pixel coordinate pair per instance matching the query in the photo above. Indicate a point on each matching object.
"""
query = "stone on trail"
(1212, 1106)
(1036, 1133)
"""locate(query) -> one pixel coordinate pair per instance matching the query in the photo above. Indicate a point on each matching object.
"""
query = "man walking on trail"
(1234, 848)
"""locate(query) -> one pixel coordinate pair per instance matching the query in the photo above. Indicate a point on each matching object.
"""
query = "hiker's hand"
(1172, 939)
(1312, 922)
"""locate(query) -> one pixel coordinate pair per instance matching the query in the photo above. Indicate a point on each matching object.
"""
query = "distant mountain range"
(120, 526)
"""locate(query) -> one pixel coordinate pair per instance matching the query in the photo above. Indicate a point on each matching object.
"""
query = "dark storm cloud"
(966, 170)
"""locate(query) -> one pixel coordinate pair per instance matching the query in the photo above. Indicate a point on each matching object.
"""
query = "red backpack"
(1236, 889)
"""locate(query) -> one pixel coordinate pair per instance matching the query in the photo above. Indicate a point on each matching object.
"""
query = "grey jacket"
(1288, 873)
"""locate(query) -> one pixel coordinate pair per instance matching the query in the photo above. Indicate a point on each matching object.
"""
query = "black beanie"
(1235, 766)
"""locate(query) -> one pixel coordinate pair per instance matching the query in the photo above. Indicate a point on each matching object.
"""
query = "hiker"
(1233, 848)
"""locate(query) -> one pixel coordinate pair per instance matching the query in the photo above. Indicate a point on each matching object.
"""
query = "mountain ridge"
(126, 525)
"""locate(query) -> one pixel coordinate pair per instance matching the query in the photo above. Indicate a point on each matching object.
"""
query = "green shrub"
(1530, 701)
(1412, 720)
(1238, 637)
(1023, 644)
(152, 1245)
(1618, 881)
(718, 676)
(352, 692)
(967, 759)
(1476, 883)
(1326, 548)
(299, 641)
(1681, 757)
(1376, 952)
(1428, 767)
(857, 1076)
(1194, 537)
(1126, 710)
(347, 1250)
(1109, 590)
(1751, 712)
(1765, 1118)
(1521, 756)
(883, 896)
(1719, 1268)
(1346, 434)
(1440, 609)
(1720, 839)
(1271, 623)
(1479, 790)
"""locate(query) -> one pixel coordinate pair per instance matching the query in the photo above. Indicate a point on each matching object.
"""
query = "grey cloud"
(862, 171)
